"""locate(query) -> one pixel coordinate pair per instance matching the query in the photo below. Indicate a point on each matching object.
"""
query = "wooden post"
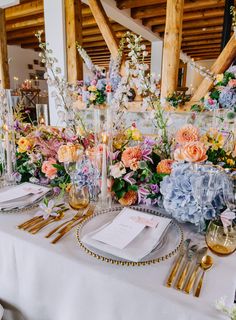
(172, 45)
(104, 26)
(73, 17)
(221, 64)
(4, 68)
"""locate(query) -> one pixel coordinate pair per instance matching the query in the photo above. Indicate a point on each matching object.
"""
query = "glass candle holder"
(220, 240)
(103, 145)
(7, 138)
(42, 114)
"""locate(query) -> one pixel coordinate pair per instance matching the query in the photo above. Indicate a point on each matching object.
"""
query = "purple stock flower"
(142, 194)
(155, 188)
(149, 142)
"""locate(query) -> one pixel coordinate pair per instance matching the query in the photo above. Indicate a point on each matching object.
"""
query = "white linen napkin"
(136, 250)
(21, 195)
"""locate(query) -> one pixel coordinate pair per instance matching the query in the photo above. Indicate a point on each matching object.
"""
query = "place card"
(125, 228)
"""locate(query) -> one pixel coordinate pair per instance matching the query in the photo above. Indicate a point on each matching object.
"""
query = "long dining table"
(43, 281)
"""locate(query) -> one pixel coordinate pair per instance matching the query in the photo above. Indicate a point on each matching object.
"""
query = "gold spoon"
(206, 264)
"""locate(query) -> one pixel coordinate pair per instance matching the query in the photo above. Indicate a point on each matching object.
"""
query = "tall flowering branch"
(63, 92)
(200, 69)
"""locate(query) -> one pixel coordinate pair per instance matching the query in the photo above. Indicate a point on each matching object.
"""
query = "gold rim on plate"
(124, 262)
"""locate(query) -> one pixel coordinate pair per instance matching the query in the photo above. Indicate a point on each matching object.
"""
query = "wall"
(194, 78)
(18, 65)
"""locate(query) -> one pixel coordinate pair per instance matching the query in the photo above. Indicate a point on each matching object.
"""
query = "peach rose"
(186, 134)
(69, 152)
(131, 155)
(48, 169)
(234, 152)
(232, 83)
(129, 198)
(191, 152)
(165, 166)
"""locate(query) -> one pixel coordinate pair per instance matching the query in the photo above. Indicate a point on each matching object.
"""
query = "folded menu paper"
(132, 235)
(21, 195)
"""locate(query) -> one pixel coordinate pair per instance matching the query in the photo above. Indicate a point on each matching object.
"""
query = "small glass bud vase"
(221, 240)
(78, 196)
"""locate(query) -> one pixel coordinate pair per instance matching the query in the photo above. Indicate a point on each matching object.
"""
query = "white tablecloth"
(61, 282)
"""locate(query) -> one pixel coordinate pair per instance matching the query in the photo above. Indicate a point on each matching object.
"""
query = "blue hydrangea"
(227, 98)
(180, 200)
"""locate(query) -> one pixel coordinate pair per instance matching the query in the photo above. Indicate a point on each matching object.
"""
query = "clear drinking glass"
(221, 240)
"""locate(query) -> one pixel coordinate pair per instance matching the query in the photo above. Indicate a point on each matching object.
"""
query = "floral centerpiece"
(179, 189)
(137, 168)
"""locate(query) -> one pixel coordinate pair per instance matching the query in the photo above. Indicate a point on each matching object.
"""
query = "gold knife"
(76, 217)
(201, 252)
(177, 263)
(190, 254)
(28, 222)
(70, 226)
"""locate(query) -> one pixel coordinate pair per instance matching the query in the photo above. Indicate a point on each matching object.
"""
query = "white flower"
(117, 170)
(48, 210)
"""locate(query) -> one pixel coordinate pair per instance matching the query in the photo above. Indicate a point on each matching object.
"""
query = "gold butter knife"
(201, 252)
(177, 263)
(190, 254)
(28, 222)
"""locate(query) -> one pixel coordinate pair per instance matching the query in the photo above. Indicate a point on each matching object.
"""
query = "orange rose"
(165, 166)
(69, 152)
(186, 134)
(129, 198)
(48, 169)
(131, 155)
(191, 152)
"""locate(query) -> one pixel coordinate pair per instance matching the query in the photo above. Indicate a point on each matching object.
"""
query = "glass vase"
(78, 196)
(7, 138)
(221, 240)
(103, 125)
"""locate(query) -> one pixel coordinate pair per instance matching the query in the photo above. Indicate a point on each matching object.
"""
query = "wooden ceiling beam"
(24, 10)
(95, 30)
(105, 26)
(203, 37)
(204, 14)
(34, 23)
(160, 10)
(221, 64)
(200, 42)
(193, 24)
(22, 33)
(127, 4)
(217, 29)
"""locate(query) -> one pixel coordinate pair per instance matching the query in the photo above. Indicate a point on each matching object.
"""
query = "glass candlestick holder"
(42, 114)
(103, 146)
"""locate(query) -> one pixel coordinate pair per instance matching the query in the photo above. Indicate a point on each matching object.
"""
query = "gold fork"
(43, 224)
(76, 217)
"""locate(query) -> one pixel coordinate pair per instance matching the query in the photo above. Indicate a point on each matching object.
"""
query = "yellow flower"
(213, 139)
(136, 134)
(92, 88)
(230, 162)
(92, 97)
(23, 145)
(219, 77)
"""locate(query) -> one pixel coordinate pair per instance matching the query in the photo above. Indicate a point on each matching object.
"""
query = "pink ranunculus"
(191, 152)
(187, 133)
(48, 169)
(232, 83)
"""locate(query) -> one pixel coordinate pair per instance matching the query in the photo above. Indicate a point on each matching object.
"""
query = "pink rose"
(191, 152)
(48, 169)
(232, 83)
(187, 133)
(131, 155)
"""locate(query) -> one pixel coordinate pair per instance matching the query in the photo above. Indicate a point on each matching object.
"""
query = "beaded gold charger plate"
(169, 246)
